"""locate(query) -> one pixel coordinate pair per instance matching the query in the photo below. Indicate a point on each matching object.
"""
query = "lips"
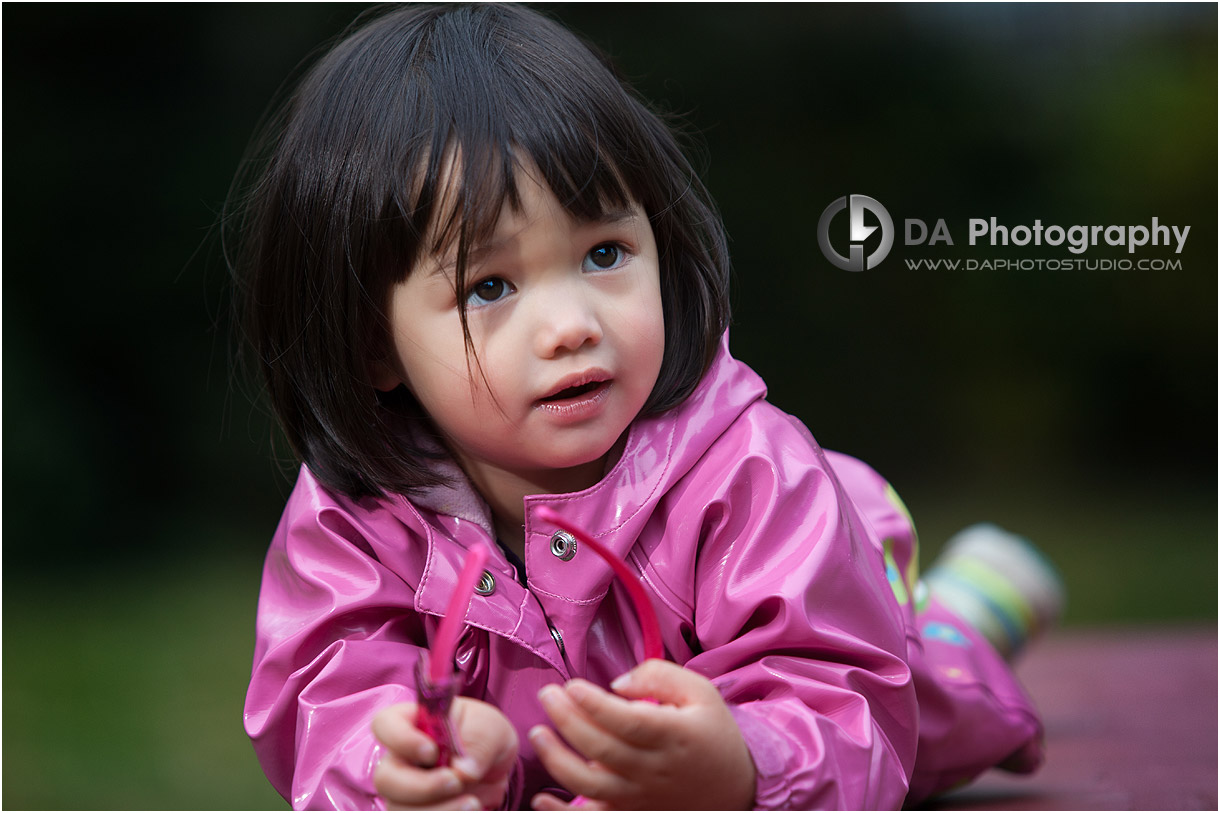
(572, 392)
(576, 398)
(576, 387)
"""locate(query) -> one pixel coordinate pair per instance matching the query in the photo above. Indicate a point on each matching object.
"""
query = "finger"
(489, 742)
(404, 784)
(637, 724)
(490, 795)
(665, 682)
(545, 801)
(395, 728)
(582, 732)
(456, 803)
(570, 770)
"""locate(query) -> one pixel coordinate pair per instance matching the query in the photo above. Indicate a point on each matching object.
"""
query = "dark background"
(1077, 407)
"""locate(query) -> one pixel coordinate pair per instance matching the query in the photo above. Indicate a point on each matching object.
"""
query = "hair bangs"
(503, 111)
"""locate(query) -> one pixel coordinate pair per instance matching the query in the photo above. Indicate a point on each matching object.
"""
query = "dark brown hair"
(351, 189)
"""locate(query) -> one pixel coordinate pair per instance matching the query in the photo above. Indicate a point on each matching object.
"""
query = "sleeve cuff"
(769, 749)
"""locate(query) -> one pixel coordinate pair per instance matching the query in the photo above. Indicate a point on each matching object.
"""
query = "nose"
(566, 321)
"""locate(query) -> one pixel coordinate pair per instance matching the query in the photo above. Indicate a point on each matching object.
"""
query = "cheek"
(651, 322)
(644, 333)
(433, 369)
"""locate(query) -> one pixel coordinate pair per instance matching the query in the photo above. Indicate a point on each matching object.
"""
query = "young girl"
(480, 278)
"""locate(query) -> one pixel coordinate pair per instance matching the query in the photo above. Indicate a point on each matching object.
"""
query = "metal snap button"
(558, 639)
(563, 545)
(486, 585)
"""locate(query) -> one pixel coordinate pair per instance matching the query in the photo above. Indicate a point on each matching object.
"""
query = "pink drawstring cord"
(436, 686)
(650, 627)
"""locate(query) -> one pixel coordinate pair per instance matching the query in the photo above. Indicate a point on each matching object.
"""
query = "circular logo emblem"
(856, 205)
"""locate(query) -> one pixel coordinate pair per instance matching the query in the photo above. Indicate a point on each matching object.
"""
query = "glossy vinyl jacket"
(784, 574)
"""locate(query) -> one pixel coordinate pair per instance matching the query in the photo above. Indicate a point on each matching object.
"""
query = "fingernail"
(426, 753)
(576, 689)
(535, 734)
(468, 767)
(548, 694)
(621, 683)
(451, 786)
(469, 803)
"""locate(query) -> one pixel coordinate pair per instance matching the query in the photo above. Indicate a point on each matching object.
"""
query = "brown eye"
(607, 255)
(488, 290)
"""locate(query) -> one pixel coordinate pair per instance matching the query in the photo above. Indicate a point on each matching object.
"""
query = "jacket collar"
(455, 497)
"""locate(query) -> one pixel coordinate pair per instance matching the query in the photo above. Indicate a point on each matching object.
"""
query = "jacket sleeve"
(796, 624)
(337, 640)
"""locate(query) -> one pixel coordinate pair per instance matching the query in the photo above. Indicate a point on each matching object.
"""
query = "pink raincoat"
(784, 574)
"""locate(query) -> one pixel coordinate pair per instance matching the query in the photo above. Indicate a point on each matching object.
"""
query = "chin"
(575, 460)
(580, 455)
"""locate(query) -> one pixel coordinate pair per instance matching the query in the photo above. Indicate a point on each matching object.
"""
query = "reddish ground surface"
(1130, 720)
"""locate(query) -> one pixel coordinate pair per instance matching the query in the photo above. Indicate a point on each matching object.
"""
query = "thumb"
(489, 743)
(663, 682)
(394, 727)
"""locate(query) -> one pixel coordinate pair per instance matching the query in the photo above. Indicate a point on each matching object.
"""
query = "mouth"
(577, 388)
(572, 392)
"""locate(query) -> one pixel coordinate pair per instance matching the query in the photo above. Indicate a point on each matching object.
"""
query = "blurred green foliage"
(124, 692)
(1077, 407)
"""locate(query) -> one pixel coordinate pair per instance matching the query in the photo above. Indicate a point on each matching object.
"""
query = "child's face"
(566, 321)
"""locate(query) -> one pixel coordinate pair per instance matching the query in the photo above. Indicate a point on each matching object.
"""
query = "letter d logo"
(857, 205)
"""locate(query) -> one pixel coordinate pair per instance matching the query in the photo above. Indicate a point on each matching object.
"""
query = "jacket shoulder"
(319, 524)
(763, 430)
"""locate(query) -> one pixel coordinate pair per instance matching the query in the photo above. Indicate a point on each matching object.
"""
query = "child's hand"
(685, 753)
(406, 778)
